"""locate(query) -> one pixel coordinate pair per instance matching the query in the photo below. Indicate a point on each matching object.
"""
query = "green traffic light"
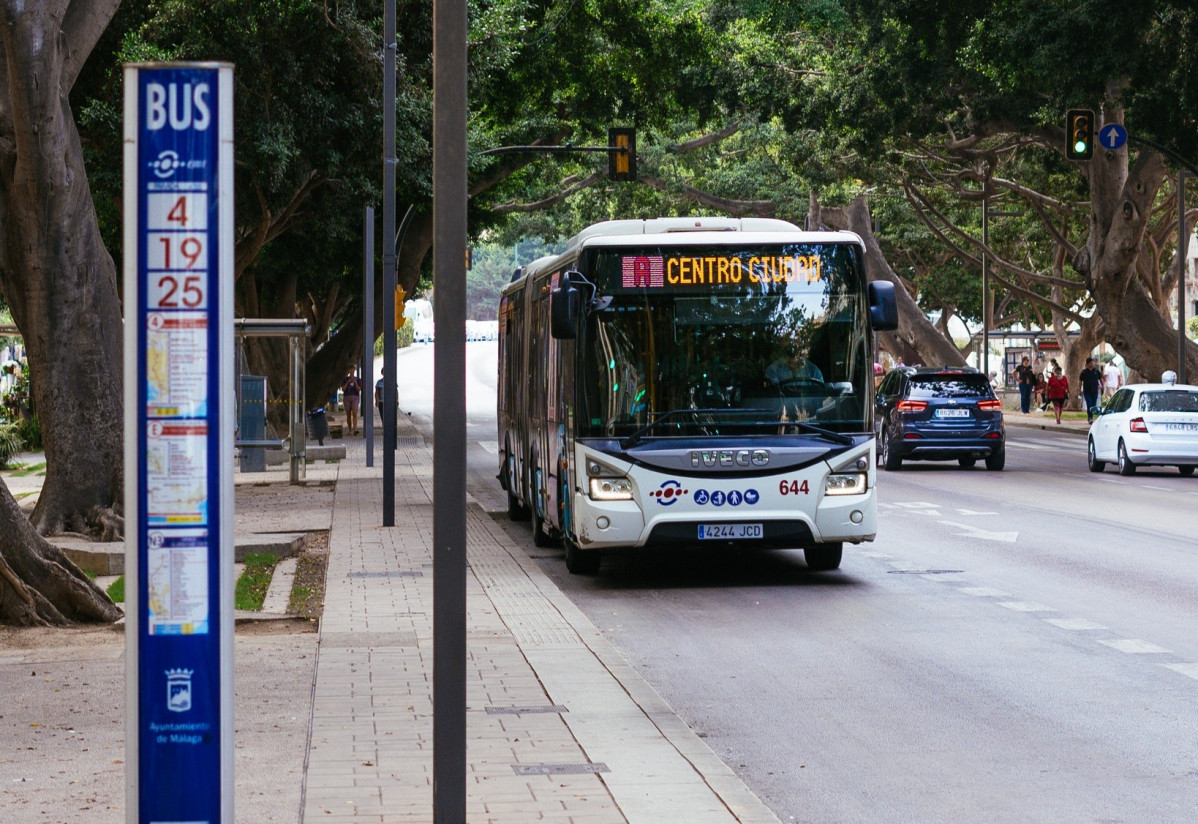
(1080, 147)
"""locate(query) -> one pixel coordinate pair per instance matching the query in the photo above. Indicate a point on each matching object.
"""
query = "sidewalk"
(337, 726)
(1045, 420)
(559, 726)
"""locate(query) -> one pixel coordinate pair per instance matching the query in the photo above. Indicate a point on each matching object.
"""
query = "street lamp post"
(987, 303)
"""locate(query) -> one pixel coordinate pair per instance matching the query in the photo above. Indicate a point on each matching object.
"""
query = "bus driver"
(792, 365)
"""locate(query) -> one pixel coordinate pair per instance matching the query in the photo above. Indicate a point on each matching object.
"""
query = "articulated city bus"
(697, 381)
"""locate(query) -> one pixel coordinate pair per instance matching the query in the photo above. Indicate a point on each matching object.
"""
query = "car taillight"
(911, 406)
(1138, 425)
(992, 405)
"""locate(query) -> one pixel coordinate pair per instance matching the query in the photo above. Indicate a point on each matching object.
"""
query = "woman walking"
(1058, 392)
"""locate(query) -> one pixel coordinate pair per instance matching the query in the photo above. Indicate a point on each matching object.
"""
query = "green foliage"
(10, 444)
(30, 431)
(493, 266)
(254, 581)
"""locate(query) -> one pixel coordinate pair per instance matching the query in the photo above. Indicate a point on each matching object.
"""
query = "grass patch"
(253, 583)
(116, 590)
(31, 469)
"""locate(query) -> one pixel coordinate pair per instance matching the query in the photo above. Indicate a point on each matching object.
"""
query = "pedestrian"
(1112, 379)
(1058, 392)
(1091, 383)
(351, 391)
(1025, 379)
(1040, 393)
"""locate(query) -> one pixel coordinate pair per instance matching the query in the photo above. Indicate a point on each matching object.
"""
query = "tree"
(60, 283)
(906, 71)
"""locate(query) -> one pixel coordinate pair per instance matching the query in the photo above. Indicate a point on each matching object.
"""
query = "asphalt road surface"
(1015, 647)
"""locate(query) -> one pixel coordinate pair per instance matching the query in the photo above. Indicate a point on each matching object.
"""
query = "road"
(1015, 646)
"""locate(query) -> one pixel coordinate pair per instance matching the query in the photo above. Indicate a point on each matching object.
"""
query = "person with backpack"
(1057, 391)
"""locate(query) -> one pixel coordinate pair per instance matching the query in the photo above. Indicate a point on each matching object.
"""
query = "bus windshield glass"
(725, 341)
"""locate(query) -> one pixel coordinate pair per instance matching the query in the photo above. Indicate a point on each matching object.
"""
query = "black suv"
(938, 414)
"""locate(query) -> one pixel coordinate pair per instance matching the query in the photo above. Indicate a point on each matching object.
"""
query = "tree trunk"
(60, 283)
(917, 340)
(39, 585)
(58, 278)
(1121, 202)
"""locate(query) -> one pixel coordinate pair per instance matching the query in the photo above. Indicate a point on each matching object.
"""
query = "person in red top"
(1058, 391)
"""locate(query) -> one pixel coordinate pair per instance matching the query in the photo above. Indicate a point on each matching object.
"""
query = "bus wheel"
(540, 535)
(823, 557)
(581, 562)
(516, 511)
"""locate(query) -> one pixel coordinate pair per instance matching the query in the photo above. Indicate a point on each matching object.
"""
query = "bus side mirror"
(883, 308)
(564, 307)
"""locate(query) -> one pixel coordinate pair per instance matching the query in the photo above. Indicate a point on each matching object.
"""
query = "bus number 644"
(786, 487)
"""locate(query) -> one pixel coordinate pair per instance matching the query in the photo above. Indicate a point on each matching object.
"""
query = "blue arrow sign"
(1112, 136)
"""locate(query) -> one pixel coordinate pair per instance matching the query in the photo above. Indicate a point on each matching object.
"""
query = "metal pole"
(368, 333)
(986, 278)
(299, 444)
(1182, 243)
(389, 355)
(449, 399)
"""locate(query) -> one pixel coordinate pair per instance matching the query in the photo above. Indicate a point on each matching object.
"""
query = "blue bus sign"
(178, 290)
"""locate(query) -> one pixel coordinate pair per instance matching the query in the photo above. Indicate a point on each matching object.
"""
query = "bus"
(692, 382)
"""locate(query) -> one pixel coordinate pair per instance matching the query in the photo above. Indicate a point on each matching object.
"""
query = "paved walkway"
(559, 726)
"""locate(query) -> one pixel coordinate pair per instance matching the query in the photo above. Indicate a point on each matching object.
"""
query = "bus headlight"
(846, 484)
(611, 489)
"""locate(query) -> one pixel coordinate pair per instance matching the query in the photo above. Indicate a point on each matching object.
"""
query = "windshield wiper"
(836, 437)
(635, 438)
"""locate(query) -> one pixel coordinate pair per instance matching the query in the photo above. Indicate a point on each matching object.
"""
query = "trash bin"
(318, 425)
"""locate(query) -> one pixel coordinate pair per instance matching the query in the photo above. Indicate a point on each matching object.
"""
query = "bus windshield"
(725, 341)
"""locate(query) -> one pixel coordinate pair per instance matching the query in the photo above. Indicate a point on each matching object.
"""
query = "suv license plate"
(730, 532)
(952, 413)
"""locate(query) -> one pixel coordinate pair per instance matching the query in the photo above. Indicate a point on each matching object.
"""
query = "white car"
(1147, 424)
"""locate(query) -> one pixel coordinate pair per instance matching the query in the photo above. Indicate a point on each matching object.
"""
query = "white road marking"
(915, 505)
(1135, 646)
(490, 446)
(974, 532)
(973, 512)
(1073, 623)
(1190, 670)
(1026, 606)
(984, 592)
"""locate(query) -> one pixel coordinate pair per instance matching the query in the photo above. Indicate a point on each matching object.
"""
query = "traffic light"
(621, 157)
(400, 294)
(1079, 134)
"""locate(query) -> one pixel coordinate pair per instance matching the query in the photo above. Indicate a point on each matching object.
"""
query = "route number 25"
(174, 293)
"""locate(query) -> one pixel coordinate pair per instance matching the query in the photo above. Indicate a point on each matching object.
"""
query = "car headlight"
(611, 489)
(846, 484)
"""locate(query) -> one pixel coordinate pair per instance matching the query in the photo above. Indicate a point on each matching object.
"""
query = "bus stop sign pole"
(179, 439)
